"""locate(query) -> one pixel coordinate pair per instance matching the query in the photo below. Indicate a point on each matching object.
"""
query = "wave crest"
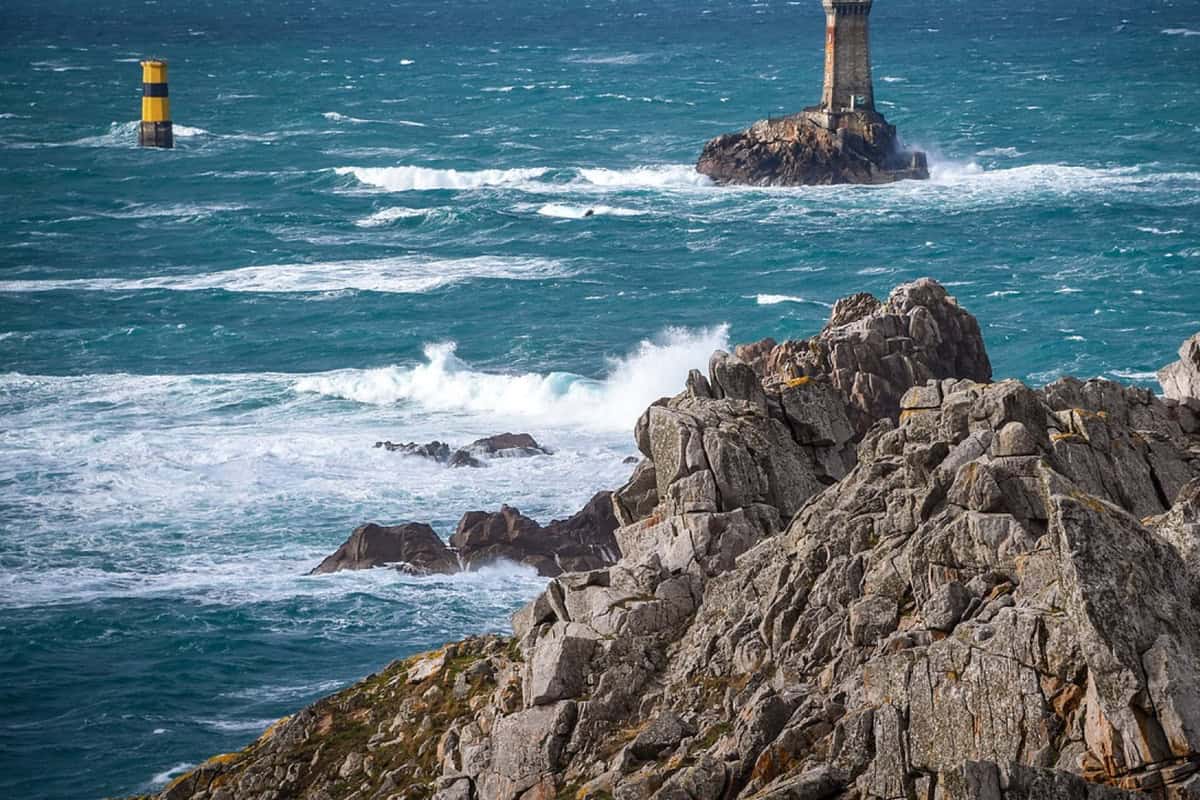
(444, 382)
(408, 179)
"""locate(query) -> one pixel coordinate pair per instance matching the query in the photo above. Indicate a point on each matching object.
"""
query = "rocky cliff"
(812, 148)
(851, 568)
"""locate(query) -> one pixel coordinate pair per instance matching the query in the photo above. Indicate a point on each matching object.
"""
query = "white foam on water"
(967, 184)
(1181, 32)
(167, 775)
(893, 79)
(657, 368)
(237, 725)
(1133, 375)
(334, 116)
(277, 693)
(665, 176)
(622, 59)
(562, 211)
(775, 299)
(398, 275)
(1006, 152)
(252, 479)
(408, 179)
(386, 216)
(1158, 232)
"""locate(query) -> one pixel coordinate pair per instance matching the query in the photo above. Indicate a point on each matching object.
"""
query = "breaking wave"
(775, 299)
(580, 212)
(665, 176)
(409, 179)
(386, 216)
(444, 382)
(533, 179)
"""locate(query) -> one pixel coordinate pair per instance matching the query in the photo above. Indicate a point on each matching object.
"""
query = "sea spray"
(444, 382)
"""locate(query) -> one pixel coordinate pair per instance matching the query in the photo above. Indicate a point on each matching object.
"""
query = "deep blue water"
(371, 227)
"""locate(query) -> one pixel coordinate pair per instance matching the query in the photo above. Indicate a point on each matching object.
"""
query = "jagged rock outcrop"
(414, 548)
(1180, 380)
(994, 596)
(503, 445)
(581, 542)
(874, 352)
(797, 150)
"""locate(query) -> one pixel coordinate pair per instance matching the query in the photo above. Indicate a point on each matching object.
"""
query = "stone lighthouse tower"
(847, 57)
(843, 139)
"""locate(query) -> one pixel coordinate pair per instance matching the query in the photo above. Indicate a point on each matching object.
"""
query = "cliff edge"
(852, 567)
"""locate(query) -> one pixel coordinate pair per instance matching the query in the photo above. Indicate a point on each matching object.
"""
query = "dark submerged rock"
(504, 445)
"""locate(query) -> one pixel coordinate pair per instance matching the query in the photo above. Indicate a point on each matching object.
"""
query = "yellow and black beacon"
(156, 106)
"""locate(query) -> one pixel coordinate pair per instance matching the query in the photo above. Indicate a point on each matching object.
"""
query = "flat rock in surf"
(581, 542)
(502, 445)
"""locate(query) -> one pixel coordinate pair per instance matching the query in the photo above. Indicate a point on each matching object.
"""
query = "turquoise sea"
(372, 227)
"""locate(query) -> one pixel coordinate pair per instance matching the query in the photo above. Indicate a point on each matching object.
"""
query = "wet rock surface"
(504, 445)
(796, 151)
(963, 591)
(581, 542)
(414, 548)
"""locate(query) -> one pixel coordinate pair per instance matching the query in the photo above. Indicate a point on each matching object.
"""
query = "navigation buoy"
(156, 107)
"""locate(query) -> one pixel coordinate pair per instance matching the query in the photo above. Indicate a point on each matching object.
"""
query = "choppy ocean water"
(373, 227)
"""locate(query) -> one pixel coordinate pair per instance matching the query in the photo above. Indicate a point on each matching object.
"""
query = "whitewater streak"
(398, 275)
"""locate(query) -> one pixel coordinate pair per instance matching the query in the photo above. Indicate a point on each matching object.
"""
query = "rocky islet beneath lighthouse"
(841, 140)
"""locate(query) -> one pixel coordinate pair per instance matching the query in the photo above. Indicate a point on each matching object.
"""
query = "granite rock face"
(798, 150)
(1181, 379)
(990, 594)
(874, 352)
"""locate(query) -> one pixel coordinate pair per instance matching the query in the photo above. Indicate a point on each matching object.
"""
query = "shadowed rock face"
(795, 151)
(414, 548)
(990, 594)
(581, 542)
